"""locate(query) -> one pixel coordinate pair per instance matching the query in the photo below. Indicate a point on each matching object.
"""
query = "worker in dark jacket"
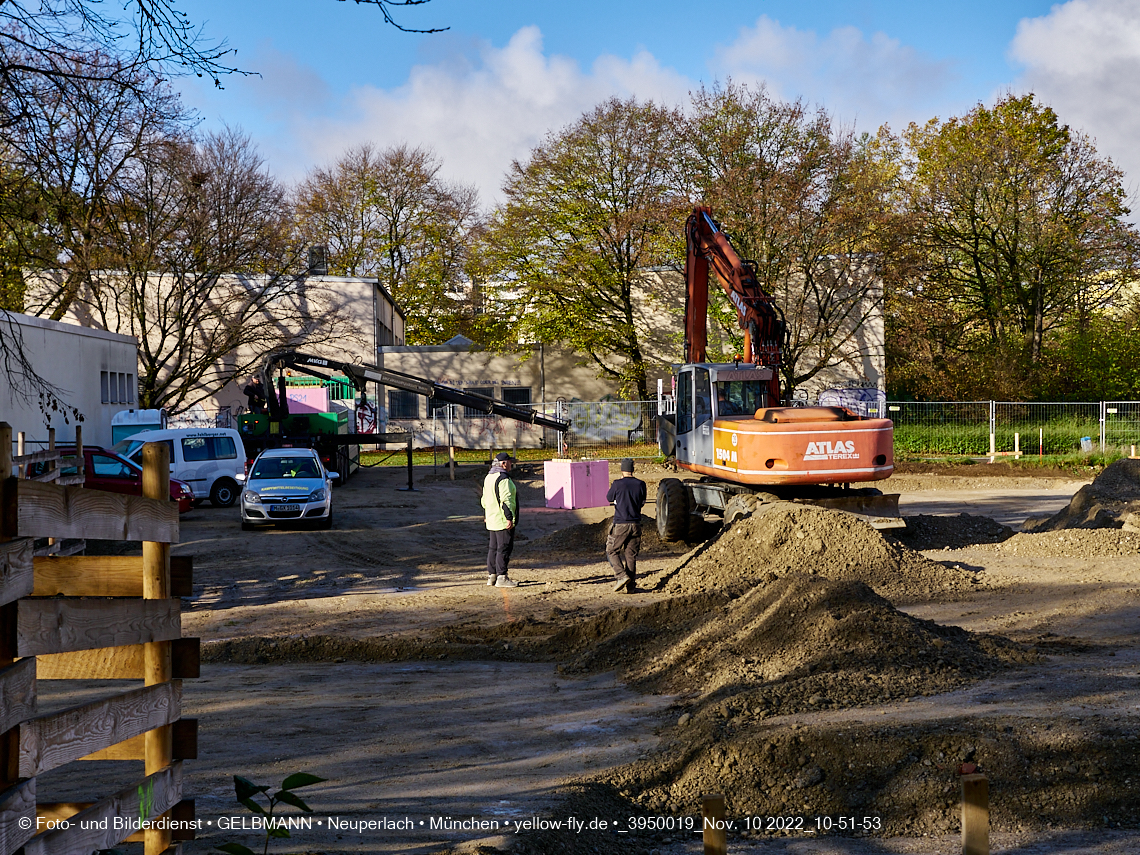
(501, 510)
(627, 494)
(255, 395)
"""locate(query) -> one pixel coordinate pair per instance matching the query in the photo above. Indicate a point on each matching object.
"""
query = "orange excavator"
(725, 421)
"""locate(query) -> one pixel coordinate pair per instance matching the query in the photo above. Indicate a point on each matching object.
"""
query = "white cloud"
(477, 115)
(1083, 59)
(869, 80)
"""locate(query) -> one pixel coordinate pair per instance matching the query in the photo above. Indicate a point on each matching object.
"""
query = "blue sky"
(333, 75)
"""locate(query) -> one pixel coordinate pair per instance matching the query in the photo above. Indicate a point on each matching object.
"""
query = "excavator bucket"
(881, 512)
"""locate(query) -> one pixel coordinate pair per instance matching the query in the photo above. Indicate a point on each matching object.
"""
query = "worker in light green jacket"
(501, 511)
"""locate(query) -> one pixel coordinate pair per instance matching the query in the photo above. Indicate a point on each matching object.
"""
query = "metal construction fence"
(597, 428)
(989, 428)
(935, 428)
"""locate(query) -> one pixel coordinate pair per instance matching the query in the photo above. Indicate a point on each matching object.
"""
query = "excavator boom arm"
(319, 366)
(758, 314)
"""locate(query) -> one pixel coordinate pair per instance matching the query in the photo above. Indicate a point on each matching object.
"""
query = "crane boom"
(318, 366)
(759, 317)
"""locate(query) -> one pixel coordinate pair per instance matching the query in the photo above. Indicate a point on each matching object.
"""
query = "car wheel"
(326, 523)
(224, 493)
(247, 526)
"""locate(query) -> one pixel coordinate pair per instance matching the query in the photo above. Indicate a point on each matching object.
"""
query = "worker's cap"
(627, 464)
(502, 455)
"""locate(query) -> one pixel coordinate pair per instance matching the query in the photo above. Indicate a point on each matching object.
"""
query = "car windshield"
(126, 447)
(269, 468)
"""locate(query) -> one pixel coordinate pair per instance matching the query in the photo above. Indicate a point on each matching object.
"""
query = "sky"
(332, 75)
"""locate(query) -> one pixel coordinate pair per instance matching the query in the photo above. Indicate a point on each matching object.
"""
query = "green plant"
(247, 792)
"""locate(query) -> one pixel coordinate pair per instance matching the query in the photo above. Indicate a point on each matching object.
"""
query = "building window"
(517, 395)
(475, 412)
(105, 387)
(403, 404)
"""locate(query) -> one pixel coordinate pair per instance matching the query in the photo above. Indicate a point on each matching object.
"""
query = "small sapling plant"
(248, 793)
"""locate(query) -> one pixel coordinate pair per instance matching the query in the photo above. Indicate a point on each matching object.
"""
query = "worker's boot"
(622, 584)
(491, 581)
(504, 582)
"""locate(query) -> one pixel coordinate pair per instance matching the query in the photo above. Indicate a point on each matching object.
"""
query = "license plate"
(287, 509)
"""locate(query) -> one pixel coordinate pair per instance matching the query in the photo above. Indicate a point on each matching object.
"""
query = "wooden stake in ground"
(157, 666)
(975, 814)
(712, 818)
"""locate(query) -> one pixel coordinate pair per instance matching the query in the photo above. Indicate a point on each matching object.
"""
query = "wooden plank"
(182, 812)
(17, 803)
(49, 510)
(37, 456)
(184, 744)
(106, 576)
(47, 477)
(156, 794)
(52, 548)
(17, 693)
(63, 625)
(119, 663)
(51, 741)
(15, 564)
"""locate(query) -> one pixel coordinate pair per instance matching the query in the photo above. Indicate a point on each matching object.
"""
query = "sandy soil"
(374, 655)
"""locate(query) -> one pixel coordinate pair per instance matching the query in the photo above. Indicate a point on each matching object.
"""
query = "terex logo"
(843, 449)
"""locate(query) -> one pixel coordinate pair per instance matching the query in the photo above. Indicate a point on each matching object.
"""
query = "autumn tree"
(1023, 230)
(55, 50)
(585, 219)
(197, 261)
(388, 214)
(813, 206)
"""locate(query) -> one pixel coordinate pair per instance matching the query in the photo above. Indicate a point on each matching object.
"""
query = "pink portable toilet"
(576, 483)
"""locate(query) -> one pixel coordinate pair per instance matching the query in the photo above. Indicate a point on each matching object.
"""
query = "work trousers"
(622, 547)
(502, 544)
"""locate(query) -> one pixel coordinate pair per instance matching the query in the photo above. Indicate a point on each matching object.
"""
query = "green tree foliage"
(1023, 232)
(586, 217)
(388, 214)
(813, 206)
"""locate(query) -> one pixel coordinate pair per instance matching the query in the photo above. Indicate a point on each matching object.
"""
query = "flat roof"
(71, 329)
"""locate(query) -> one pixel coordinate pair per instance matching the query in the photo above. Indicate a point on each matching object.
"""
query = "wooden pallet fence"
(69, 617)
(52, 465)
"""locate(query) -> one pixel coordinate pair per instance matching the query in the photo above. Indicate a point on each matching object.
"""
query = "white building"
(92, 370)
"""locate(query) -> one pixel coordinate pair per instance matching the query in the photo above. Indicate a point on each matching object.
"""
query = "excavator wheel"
(697, 529)
(672, 510)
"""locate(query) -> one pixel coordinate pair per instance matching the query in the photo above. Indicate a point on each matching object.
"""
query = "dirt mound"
(590, 539)
(1073, 543)
(783, 537)
(924, 531)
(1112, 496)
(1068, 775)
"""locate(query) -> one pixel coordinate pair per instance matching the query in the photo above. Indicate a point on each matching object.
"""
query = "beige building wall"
(94, 371)
(363, 317)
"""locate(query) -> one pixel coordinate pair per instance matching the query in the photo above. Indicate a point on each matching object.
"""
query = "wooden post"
(157, 665)
(712, 818)
(9, 742)
(80, 465)
(975, 814)
(54, 464)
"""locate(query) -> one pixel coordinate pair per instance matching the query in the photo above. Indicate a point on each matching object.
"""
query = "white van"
(208, 459)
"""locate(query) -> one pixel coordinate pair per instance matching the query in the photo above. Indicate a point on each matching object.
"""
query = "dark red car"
(105, 470)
